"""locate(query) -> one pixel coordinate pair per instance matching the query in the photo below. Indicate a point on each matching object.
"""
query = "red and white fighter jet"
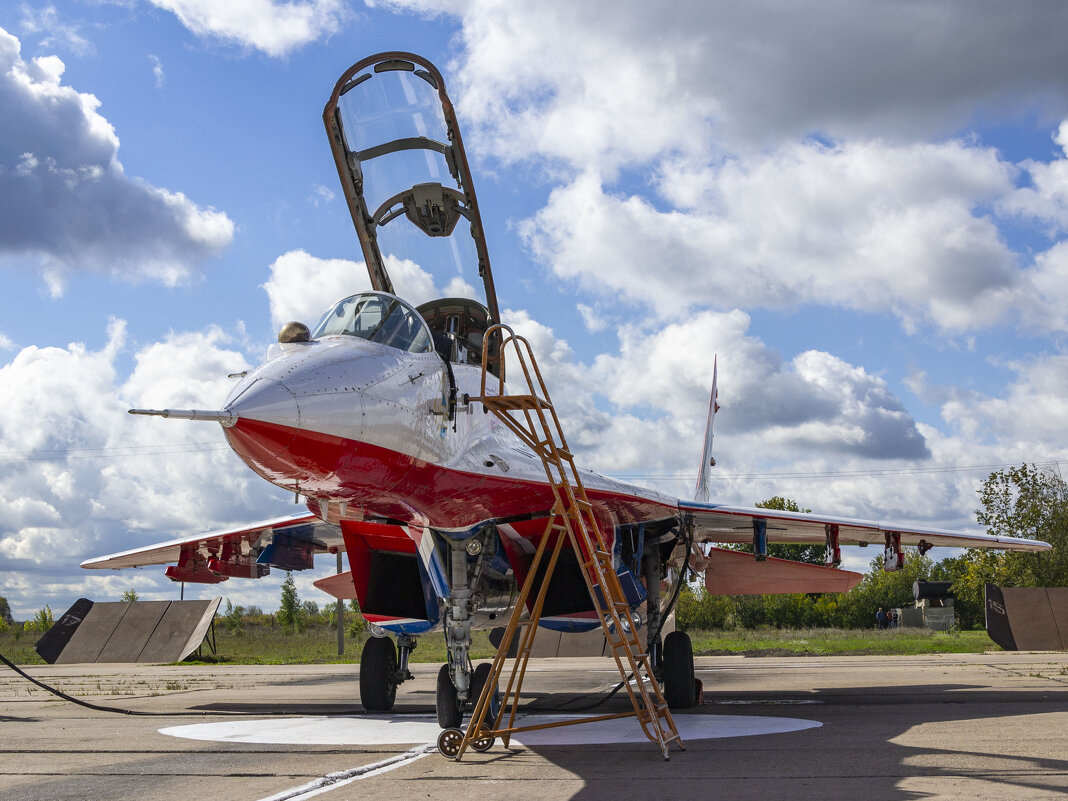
(438, 507)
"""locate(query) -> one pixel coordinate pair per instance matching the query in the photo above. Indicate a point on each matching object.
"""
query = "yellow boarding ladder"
(533, 419)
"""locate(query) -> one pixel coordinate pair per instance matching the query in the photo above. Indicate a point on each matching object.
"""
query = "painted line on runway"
(332, 781)
(771, 702)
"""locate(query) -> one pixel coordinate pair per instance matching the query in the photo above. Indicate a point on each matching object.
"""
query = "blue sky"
(860, 208)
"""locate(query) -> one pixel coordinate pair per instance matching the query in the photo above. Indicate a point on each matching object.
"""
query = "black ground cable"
(140, 713)
(663, 619)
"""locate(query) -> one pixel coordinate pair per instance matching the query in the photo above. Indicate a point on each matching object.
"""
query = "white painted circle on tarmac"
(414, 729)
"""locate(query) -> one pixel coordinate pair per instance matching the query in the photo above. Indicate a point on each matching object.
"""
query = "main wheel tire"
(680, 691)
(447, 703)
(478, 681)
(378, 666)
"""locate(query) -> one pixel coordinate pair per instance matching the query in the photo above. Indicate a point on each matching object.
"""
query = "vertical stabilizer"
(707, 460)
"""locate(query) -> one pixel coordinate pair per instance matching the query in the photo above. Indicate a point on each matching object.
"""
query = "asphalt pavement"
(958, 727)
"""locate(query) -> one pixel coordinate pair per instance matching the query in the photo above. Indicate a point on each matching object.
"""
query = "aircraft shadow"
(871, 745)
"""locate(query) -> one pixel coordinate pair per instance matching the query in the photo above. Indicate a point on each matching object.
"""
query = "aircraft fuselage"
(356, 423)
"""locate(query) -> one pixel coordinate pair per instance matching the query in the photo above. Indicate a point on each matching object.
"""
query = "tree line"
(1026, 501)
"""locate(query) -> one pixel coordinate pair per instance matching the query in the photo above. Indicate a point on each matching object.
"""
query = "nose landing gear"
(450, 708)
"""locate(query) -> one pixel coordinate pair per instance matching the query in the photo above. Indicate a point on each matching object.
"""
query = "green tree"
(358, 625)
(234, 617)
(1025, 501)
(290, 612)
(42, 620)
(129, 595)
(888, 589)
(811, 553)
(5, 611)
(698, 610)
(1021, 501)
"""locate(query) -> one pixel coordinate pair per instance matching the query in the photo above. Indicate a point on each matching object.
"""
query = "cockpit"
(454, 327)
(377, 317)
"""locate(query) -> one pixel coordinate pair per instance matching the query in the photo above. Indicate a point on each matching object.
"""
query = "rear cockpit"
(459, 327)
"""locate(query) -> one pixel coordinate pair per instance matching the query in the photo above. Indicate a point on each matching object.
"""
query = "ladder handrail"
(572, 518)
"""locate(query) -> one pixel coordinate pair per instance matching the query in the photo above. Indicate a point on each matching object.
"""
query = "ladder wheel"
(680, 690)
(484, 741)
(447, 703)
(449, 743)
(378, 666)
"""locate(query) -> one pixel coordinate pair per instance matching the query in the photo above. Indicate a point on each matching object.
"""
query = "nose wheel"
(447, 702)
(449, 707)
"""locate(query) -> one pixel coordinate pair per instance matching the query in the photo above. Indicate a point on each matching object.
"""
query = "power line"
(111, 452)
(895, 471)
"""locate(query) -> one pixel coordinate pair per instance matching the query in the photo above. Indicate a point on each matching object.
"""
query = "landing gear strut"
(673, 657)
(454, 678)
(381, 671)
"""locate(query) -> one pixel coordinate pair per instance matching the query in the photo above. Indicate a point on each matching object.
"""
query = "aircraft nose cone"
(267, 401)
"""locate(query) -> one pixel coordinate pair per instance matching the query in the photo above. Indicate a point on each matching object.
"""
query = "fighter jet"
(372, 417)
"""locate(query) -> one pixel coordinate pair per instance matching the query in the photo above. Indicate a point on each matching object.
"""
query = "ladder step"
(545, 437)
(603, 557)
(513, 402)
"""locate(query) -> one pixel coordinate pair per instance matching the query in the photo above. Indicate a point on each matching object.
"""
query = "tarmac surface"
(973, 726)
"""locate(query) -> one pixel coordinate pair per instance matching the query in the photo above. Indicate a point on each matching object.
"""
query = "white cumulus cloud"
(872, 227)
(66, 203)
(79, 477)
(275, 28)
(302, 287)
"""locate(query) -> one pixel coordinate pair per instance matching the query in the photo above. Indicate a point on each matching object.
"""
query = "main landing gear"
(681, 689)
(381, 670)
(672, 659)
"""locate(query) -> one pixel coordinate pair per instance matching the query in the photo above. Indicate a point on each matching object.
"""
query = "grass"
(273, 645)
(839, 642)
(20, 649)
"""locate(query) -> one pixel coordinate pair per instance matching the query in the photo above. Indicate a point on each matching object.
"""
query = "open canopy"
(397, 147)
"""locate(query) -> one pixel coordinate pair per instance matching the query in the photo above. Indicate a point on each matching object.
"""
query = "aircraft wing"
(719, 523)
(233, 551)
